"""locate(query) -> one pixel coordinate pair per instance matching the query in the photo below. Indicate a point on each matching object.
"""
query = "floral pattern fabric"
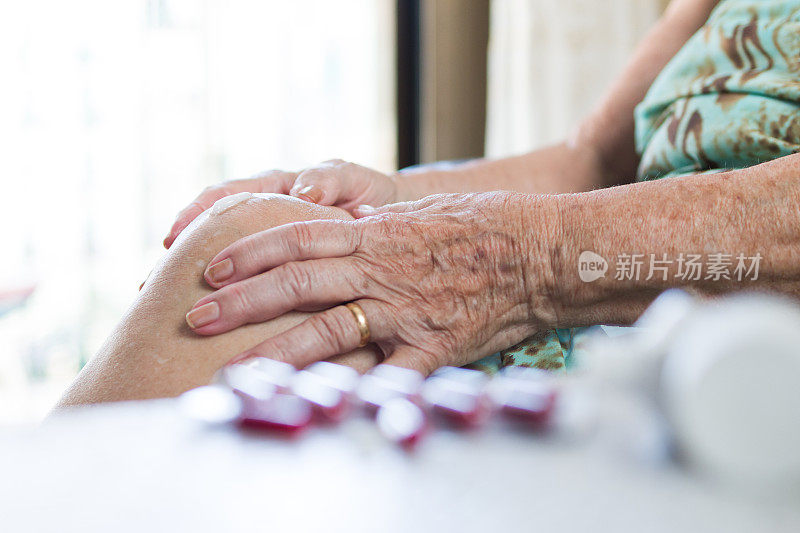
(730, 98)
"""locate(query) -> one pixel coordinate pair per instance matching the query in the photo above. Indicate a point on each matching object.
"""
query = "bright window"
(113, 115)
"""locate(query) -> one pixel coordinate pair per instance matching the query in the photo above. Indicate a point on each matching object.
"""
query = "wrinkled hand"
(334, 182)
(442, 281)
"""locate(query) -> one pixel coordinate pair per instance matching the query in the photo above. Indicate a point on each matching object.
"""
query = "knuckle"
(274, 180)
(192, 210)
(386, 231)
(278, 348)
(331, 328)
(276, 351)
(425, 362)
(245, 253)
(295, 281)
(237, 301)
(324, 175)
(368, 229)
(217, 191)
(301, 241)
(347, 166)
(355, 237)
(385, 223)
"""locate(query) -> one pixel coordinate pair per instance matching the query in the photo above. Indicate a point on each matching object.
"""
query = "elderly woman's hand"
(442, 281)
(334, 182)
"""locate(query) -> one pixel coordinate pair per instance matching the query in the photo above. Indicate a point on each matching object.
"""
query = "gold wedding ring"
(361, 321)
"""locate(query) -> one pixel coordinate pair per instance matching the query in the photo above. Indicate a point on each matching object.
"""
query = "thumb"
(320, 185)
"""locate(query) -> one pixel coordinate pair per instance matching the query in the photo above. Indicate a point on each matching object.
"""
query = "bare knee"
(243, 214)
(152, 353)
(270, 209)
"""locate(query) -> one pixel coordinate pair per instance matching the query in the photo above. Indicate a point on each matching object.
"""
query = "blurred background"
(114, 115)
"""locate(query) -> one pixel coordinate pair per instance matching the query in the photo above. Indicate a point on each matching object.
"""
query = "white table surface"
(144, 467)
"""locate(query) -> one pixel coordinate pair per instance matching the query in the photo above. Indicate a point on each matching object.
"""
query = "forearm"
(554, 169)
(600, 153)
(747, 213)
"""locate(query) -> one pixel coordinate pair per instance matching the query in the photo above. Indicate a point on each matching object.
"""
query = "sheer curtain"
(113, 115)
(550, 60)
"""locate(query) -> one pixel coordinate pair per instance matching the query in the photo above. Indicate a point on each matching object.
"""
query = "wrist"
(537, 224)
(575, 291)
(584, 289)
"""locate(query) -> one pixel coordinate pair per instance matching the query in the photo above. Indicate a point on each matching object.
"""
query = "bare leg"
(152, 353)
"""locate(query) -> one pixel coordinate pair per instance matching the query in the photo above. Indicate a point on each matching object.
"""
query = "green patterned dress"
(729, 99)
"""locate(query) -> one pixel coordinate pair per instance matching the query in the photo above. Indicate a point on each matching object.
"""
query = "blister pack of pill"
(275, 397)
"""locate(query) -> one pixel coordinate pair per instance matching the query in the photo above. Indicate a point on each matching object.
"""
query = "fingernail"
(203, 315)
(365, 208)
(219, 272)
(310, 193)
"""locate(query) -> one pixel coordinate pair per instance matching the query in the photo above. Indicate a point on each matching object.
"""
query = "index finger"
(299, 241)
(271, 181)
